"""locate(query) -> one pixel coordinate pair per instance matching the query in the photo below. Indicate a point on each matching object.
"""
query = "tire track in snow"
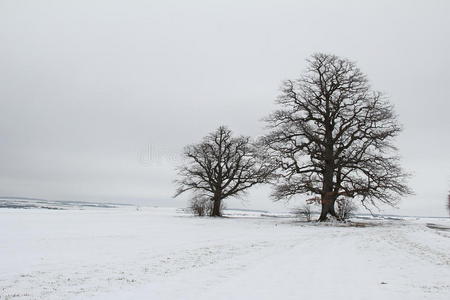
(91, 279)
(398, 239)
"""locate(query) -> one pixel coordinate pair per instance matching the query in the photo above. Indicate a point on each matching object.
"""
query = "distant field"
(20, 202)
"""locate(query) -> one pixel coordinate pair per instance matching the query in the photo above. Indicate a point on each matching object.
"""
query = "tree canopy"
(333, 136)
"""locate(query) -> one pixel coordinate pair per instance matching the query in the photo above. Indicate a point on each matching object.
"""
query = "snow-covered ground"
(161, 253)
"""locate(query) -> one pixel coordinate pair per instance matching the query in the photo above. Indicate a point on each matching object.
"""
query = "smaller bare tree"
(221, 166)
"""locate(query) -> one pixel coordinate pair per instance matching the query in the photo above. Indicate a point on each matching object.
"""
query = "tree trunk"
(328, 200)
(328, 197)
(216, 208)
(217, 200)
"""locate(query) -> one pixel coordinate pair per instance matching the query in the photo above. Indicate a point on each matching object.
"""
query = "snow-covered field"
(161, 253)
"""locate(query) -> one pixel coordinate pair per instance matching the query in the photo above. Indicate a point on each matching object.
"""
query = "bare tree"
(333, 137)
(221, 166)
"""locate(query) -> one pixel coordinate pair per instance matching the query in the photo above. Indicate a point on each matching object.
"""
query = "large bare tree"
(332, 137)
(220, 166)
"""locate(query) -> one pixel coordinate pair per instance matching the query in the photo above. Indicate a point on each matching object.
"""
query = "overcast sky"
(98, 98)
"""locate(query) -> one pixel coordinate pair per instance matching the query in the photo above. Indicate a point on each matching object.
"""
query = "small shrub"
(200, 206)
(303, 212)
(448, 202)
(345, 208)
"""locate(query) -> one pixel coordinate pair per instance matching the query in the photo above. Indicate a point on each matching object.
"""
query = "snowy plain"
(164, 253)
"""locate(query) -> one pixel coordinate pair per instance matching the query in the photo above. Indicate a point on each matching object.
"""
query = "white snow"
(161, 253)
